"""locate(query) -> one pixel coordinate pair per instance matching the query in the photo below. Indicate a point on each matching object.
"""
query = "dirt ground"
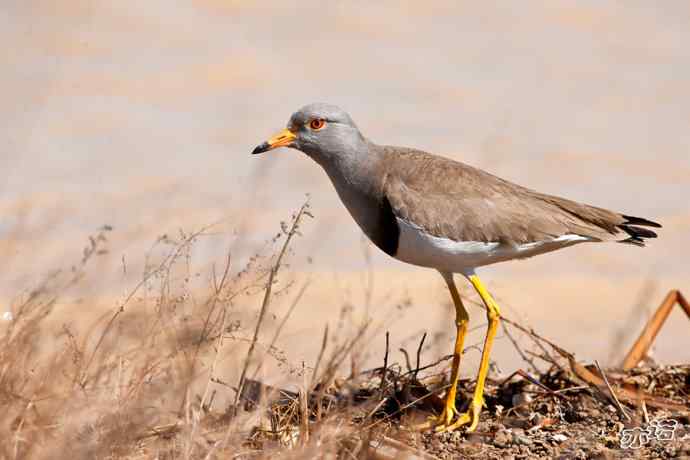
(552, 415)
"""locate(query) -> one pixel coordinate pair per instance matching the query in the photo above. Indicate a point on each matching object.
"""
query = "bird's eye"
(317, 123)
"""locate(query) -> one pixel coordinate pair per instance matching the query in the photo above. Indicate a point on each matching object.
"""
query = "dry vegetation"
(143, 381)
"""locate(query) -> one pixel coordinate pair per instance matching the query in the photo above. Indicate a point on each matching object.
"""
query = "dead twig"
(402, 408)
(267, 294)
(419, 352)
(589, 377)
(639, 349)
(522, 354)
(324, 343)
(385, 365)
(304, 410)
(294, 304)
(615, 400)
(407, 360)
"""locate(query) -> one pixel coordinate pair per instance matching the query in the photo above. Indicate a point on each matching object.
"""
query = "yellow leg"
(446, 417)
(493, 314)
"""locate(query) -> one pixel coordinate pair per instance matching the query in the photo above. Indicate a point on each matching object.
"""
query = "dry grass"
(148, 378)
(141, 381)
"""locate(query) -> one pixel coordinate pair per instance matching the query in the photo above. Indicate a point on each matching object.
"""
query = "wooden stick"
(641, 346)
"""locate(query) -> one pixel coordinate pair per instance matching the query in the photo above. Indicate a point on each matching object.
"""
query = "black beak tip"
(261, 148)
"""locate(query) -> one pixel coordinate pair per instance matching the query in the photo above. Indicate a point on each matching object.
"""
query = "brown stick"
(593, 379)
(639, 350)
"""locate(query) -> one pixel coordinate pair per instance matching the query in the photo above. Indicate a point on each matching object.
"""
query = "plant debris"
(553, 414)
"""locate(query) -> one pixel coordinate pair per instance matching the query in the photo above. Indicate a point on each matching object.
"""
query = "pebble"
(521, 399)
(456, 437)
(558, 437)
(502, 439)
(520, 439)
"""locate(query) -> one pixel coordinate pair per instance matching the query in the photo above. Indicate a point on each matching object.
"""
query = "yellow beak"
(282, 139)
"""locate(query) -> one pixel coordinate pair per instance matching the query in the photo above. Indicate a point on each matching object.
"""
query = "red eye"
(316, 124)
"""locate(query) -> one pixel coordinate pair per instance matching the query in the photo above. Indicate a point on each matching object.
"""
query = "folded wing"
(452, 200)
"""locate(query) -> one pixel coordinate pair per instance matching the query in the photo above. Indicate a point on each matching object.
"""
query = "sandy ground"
(142, 116)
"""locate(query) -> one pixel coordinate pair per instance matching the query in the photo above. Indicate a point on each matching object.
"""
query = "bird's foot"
(450, 419)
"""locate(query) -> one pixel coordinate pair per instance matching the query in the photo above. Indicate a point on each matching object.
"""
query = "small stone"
(611, 441)
(520, 439)
(522, 399)
(444, 436)
(602, 454)
(558, 437)
(671, 451)
(502, 439)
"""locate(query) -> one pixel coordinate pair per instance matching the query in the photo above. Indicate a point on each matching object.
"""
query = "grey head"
(325, 132)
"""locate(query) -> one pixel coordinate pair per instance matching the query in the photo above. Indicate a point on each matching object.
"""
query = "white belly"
(420, 248)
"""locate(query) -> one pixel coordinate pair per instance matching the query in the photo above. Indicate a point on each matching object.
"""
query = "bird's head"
(322, 131)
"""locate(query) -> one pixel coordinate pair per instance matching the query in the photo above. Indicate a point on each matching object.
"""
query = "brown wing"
(453, 200)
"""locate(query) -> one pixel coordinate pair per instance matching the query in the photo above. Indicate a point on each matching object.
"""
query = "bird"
(435, 212)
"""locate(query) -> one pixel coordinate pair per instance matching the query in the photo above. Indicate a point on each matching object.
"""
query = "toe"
(470, 417)
(474, 412)
(463, 419)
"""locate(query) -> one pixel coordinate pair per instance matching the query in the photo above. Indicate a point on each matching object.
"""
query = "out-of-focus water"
(142, 115)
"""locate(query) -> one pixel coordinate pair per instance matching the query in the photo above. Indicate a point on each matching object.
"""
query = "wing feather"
(457, 201)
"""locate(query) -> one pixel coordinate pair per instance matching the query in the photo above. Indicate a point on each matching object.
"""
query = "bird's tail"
(635, 228)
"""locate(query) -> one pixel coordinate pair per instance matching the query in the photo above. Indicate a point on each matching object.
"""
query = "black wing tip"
(632, 220)
(637, 234)
(634, 227)
(634, 241)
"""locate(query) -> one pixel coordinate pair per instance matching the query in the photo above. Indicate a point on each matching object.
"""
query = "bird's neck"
(358, 182)
(355, 168)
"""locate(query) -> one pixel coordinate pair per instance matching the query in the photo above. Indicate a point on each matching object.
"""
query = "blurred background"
(142, 115)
